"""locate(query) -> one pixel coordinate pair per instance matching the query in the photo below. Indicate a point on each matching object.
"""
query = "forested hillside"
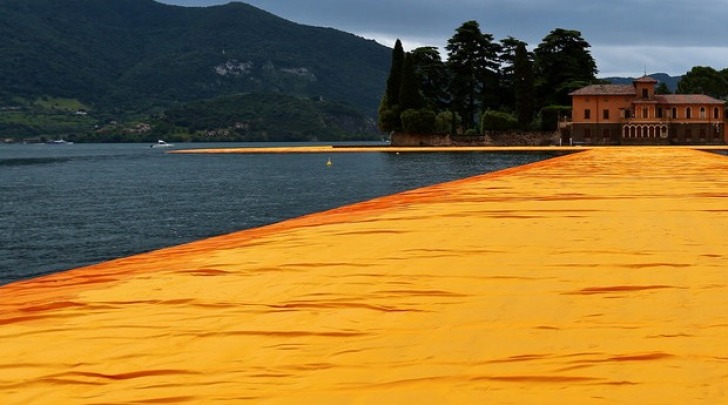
(671, 82)
(246, 118)
(129, 58)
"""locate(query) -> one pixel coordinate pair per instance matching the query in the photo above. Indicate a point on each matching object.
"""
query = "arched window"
(674, 112)
(716, 113)
(688, 113)
(702, 112)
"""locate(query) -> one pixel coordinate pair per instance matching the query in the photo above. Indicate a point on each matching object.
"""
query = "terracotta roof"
(687, 99)
(645, 79)
(605, 89)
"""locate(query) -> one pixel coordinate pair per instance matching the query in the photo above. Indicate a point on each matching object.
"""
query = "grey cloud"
(607, 26)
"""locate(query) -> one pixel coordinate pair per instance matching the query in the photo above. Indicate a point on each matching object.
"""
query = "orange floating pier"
(598, 277)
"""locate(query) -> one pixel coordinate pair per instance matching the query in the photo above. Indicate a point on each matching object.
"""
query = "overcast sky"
(627, 37)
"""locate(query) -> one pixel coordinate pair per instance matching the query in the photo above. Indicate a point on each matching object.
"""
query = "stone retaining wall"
(491, 139)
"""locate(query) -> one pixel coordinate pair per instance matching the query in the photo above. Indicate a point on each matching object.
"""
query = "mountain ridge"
(127, 57)
(670, 81)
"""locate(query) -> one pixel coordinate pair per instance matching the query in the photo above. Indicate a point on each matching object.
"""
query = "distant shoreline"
(422, 149)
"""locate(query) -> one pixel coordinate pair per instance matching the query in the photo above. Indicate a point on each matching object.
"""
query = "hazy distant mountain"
(670, 81)
(134, 56)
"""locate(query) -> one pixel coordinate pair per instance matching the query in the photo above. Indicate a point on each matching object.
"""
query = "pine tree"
(506, 58)
(432, 77)
(563, 64)
(472, 61)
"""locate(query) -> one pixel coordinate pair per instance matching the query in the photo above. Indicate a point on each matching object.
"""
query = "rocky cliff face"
(234, 67)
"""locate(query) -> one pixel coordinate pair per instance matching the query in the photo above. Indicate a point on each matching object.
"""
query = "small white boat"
(161, 144)
(59, 142)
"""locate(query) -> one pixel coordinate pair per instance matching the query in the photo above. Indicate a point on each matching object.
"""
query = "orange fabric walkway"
(599, 277)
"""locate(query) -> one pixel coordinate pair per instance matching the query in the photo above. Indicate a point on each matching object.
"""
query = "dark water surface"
(66, 206)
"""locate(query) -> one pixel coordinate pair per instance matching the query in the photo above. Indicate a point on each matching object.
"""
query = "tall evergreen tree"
(472, 61)
(506, 58)
(409, 90)
(395, 74)
(563, 64)
(389, 111)
(432, 77)
(523, 85)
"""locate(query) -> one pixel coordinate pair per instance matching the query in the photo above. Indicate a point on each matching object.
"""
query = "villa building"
(618, 114)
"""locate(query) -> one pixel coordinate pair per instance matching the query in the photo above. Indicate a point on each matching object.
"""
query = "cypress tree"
(523, 85)
(389, 107)
(409, 90)
(395, 75)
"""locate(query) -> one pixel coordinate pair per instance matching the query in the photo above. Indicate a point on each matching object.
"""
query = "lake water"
(65, 206)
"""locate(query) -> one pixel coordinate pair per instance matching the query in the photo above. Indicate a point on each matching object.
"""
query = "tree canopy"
(432, 76)
(563, 64)
(473, 66)
(482, 75)
(523, 89)
(704, 80)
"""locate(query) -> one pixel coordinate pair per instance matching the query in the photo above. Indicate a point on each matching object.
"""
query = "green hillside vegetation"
(268, 117)
(122, 59)
(44, 116)
(247, 118)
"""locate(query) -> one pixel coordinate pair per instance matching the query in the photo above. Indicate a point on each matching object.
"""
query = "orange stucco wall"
(597, 105)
